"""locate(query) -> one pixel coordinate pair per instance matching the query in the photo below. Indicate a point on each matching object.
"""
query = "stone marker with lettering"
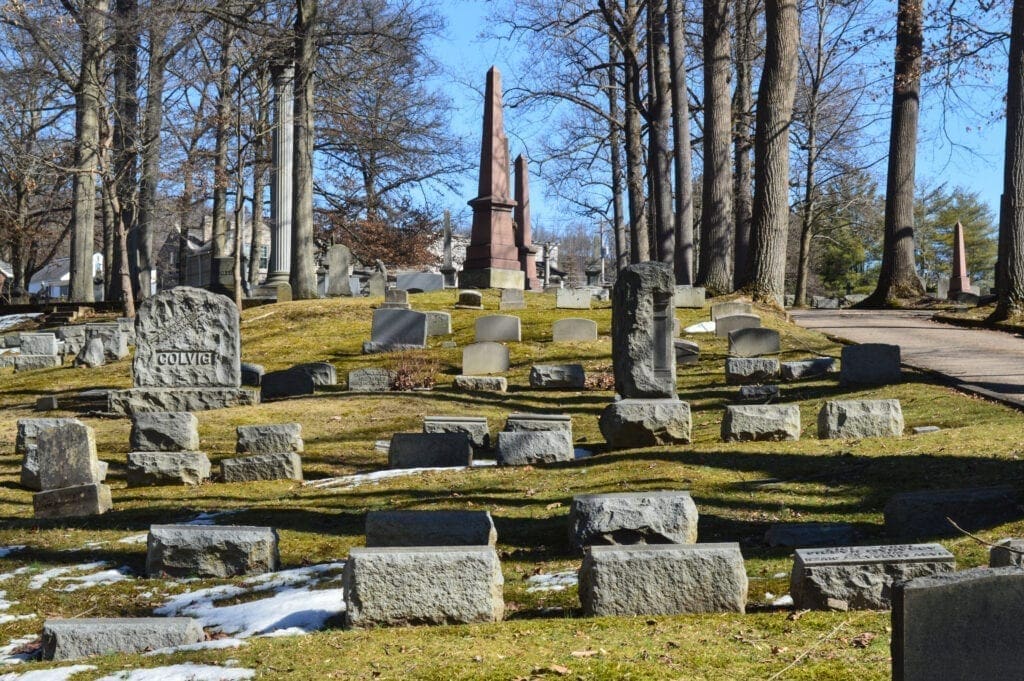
(861, 577)
(26, 444)
(870, 364)
(574, 330)
(484, 358)
(656, 517)
(370, 380)
(66, 456)
(498, 328)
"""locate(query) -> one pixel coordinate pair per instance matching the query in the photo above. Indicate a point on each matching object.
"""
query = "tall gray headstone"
(339, 259)
(642, 314)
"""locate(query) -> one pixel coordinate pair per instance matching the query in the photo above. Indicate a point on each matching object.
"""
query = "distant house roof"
(56, 272)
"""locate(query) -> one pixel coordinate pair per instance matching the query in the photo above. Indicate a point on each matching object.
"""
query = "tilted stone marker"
(496, 384)
(269, 438)
(662, 579)
(66, 456)
(749, 370)
(687, 352)
(430, 528)
(522, 421)
(276, 466)
(475, 427)
(847, 419)
(422, 585)
(370, 380)
(279, 385)
(870, 364)
(165, 432)
(692, 297)
(210, 551)
(661, 517)
(167, 468)
(470, 300)
(962, 626)
(26, 444)
(574, 330)
(521, 448)
(735, 322)
(438, 323)
(803, 535)
(753, 342)
(187, 355)
(113, 339)
(396, 330)
(747, 423)
(484, 358)
(512, 299)
(497, 328)
(573, 299)
(571, 376)
(808, 368)
(912, 515)
(91, 355)
(71, 639)
(1007, 553)
(339, 261)
(428, 450)
(861, 577)
(730, 308)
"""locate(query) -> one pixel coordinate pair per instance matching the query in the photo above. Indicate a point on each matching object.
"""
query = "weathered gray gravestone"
(734, 322)
(512, 299)
(497, 384)
(421, 282)
(92, 354)
(860, 577)
(396, 299)
(396, 330)
(210, 551)
(339, 260)
(659, 517)
(730, 308)
(574, 329)
(525, 447)
(870, 364)
(687, 352)
(538, 421)
(847, 419)
(746, 370)
(276, 466)
(808, 368)
(690, 297)
(573, 299)
(645, 423)
(376, 285)
(962, 626)
(370, 380)
(753, 342)
(439, 323)
(1007, 553)
(66, 456)
(165, 432)
(72, 502)
(498, 328)
(26, 444)
(473, 426)
(286, 383)
(427, 450)
(642, 314)
(927, 513)
(761, 422)
(167, 468)
(71, 639)
(269, 438)
(570, 376)
(430, 528)
(484, 358)
(322, 373)
(470, 300)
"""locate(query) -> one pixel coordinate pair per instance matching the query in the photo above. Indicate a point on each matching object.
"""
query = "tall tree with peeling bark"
(771, 152)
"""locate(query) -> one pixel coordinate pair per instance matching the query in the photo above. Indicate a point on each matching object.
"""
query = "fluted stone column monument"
(281, 176)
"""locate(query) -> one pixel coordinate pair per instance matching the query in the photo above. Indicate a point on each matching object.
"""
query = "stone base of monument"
(626, 424)
(492, 277)
(135, 400)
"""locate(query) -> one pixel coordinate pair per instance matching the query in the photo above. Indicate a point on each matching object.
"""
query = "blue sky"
(975, 162)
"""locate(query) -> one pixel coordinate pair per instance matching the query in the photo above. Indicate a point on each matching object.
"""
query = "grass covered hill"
(739, 489)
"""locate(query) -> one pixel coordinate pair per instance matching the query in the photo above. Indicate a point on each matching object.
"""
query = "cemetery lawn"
(739, 490)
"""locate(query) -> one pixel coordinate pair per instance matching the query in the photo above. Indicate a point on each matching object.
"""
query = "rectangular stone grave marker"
(66, 456)
(773, 422)
(430, 528)
(39, 344)
(165, 432)
(525, 447)
(276, 466)
(498, 328)
(72, 502)
(339, 261)
(645, 423)
(861, 577)
(512, 299)
(376, 285)
(573, 299)
(71, 639)
(748, 370)
(475, 427)
(690, 297)
(734, 322)
(113, 339)
(808, 368)
(730, 308)
(848, 419)
(207, 551)
(323, 373)
(419, 282)
(494, 384)
(429, 450)
(642, 314)
(396, 299)
(870, 364)
(753, 342)
(1007, 553)
(687, 352)
(167, 468)
(553, 376)
(439, 323)
(270, 438)
(521, 421)
(370, 380)
(470, 300)
(622, 518)
(294, 382)
(484, 358)
(924, 514)
(574, 330)
(396, 330)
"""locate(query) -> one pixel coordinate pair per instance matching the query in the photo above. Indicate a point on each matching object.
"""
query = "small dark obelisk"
(524, 231)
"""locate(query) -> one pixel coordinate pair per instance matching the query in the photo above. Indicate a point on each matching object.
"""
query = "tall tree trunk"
(615, 153)
(640, 246)
(681, 139)
(111, 264)
(152, 120)
(807, 216)
(660, 158)
(716, 203)
(222, 133)
(771, 152)
(260, 167)
(126, 129)
(303, 274)
(90, 19)
(184, 215)
(898, 276)
(1010, 270)
(743, 99)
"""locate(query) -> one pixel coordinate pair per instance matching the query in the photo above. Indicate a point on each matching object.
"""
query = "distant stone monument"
(339, 258)
(524, 230)
(281, 176)
(492, 258)
(647, 410)
(959, 281)
(187, 355)
(448, 270)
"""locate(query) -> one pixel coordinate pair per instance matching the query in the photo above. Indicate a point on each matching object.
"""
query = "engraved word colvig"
(183, 358)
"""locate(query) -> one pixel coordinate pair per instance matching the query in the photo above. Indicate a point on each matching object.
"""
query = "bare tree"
(743, 143)
(681, 141)
(303, 266)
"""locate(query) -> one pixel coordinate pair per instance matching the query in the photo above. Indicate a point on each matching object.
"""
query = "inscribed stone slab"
(573, 299)
(574, 329)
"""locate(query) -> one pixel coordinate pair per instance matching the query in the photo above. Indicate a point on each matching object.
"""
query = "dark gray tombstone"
(419, 282)
(870, 364)
(339, 261)
(396, 330)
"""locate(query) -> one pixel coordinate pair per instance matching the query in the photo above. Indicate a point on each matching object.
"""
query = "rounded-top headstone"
(187, 338)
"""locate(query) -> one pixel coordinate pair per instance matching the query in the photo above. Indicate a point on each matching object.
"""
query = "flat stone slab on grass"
(870, 364)
(753, 342)
(276, 466)
(849, 419)
(138, 400)
(573, 299)
(522, 421)
(756, 422)
(807, 368)
(72, 639)
(521, 448)
(802, 535)
(422, 585)
(66, 456)
(565, 376)
(861, 577)
(279, 385)
(730, 308)
(498, 328)
(370, 380)
(691, 297)
(645, 423)
(913, 515)
(758, 393)
(165, 432)
(167, 468)
(574, 330)
(269, 438)
(480, 359)
(662, 517)
(959, 627)
(475, 427)
(428, 450)
(430, 528)
(211, 551)
(662, 579)
(34, 362)
(1007, 553)
(490, 384)
(747, 370)
(735, 322)
(72, 502)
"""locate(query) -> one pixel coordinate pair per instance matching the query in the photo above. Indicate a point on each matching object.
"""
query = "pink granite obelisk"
(492, 258)
(524, 231)
(959, 282)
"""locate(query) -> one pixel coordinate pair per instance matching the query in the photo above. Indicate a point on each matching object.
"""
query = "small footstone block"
(430, 528)
(663, 579)
(522, 421)
(72, 502)
(758, 393)
(521, 448)
(210, 551)
(278, 385)
(473, 426)
(491, 384)
(370, 380)
(570, 376)
(870, 364)
(422, 585)
(848, 419)
(269, 438)
(167, 468)
(912, 515)
(429, 450)
(808, 368)
(861, 577)
(1007, 553)
(645, 423)
(959, 627)
(756, 422)
(165, 432)
(746, 370)
(277, 466)
(666, 517)
(71, 639)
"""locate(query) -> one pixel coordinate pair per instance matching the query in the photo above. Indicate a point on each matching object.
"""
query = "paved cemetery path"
(990, 363)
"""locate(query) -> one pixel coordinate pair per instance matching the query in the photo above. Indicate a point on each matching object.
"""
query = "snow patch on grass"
(8, 654)
(58, 674)
(40, 580)
(214, 644)
(182, 672)
(373, 477)
(11, 320)
(556, 581)
(96, 579)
